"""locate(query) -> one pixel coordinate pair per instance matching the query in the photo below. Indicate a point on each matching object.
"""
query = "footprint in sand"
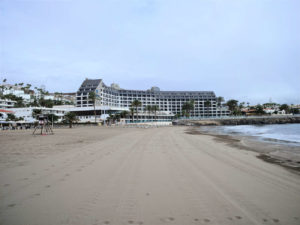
(139, 223)
(11, 205)
(47, 186)
(168, 219)
(206, 220)
(238, 217)
(275, 220)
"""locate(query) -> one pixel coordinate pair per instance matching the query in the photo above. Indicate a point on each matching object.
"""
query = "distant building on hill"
(17, 91)
(7, 103)
(29, 95)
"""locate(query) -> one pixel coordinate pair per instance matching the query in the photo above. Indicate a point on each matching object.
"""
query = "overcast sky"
(244, 49)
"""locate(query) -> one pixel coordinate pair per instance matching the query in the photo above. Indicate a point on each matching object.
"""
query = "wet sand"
(270, 150)
(97, 175)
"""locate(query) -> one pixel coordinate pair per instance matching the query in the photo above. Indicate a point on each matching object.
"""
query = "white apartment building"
(167, 101)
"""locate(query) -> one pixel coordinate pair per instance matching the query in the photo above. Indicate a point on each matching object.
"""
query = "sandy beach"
(283, 153)
(98, 175)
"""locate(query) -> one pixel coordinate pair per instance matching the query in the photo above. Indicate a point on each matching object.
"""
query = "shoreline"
(268, 150)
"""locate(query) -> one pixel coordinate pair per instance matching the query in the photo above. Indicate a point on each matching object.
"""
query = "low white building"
(7, 103)
(26, 113)
(273, 111)
(86, 114)
(269, 110)
(3, 114)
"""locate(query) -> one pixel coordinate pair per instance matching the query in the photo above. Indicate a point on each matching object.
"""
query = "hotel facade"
(169, 102)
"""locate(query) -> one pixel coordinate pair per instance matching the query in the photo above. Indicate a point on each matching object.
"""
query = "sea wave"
(277, 132)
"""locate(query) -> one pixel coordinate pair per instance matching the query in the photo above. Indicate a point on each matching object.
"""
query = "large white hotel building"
(167, 101)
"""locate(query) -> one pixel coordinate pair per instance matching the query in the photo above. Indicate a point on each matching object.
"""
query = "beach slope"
(153, 176)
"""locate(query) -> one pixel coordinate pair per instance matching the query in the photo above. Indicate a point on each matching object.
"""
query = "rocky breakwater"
(240, 121)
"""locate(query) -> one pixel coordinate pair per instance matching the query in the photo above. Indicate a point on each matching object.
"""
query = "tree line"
(236, 108)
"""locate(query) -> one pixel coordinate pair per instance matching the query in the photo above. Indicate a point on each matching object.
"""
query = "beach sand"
(270, 150)
(98, 175)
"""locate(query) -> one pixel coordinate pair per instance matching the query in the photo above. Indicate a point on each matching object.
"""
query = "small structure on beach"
(42, 127)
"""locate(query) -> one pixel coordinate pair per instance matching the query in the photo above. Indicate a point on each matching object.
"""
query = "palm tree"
(220, 99)
(259, 109)
(177, 115)
(207, 104)
(192, 105)
(242, 105)
(117, 117)
(149, 109)
(187, 107)
(124, 114)
(110, 118)
(232, 105)
(36, 112)
(70, 117)
(155, 108)
(135, 104)
(93, 97)
(132, 113)
(285, 107)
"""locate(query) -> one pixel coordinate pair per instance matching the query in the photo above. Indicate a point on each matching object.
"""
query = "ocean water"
(286, 133)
